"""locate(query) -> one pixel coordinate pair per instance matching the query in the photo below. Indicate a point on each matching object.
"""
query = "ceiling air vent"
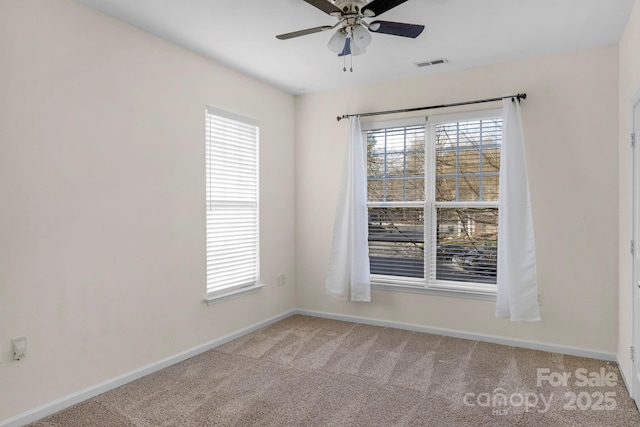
(432, 62)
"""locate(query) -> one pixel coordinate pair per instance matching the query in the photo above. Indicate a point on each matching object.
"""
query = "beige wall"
(102, 252)
(629, 86)
(571, 125)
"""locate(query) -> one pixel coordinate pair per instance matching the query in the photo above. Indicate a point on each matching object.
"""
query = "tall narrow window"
(433, 201)
(231, 203)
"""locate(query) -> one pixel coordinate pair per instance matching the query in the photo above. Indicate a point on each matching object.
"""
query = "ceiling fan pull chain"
(344, 61)
(351, 61)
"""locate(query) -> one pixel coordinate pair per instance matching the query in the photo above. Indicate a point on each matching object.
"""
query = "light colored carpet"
(306, 371)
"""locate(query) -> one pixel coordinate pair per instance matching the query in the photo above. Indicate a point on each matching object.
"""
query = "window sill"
(225, 295)
(455, 293)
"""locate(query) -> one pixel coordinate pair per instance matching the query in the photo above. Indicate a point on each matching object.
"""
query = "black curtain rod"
(455, 104)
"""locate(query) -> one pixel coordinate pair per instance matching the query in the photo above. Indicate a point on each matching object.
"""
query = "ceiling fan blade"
(397, 28)
(303, 32)
(325, 6)
(378, 7)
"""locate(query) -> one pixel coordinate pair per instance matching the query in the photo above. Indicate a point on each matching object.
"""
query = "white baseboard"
(88, 393)
(531, 345)
(82, 395)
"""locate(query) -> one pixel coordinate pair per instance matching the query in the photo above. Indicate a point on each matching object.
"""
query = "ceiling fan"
(352, 36)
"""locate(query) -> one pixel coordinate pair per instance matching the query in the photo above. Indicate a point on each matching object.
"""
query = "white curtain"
(348, 274)
(517, 280)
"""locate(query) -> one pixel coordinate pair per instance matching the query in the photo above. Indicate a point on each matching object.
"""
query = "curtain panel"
(517, 295)
(348, 275)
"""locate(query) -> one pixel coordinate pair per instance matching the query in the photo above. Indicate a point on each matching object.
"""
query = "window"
(433, 202)
(231, 204)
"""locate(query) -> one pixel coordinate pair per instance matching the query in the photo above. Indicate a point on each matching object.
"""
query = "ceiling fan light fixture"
(337, 41)
(360, 37)
(351, 49)
(356, 50)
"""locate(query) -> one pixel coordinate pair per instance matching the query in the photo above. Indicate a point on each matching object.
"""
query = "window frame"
(216, 294)
(429, 285)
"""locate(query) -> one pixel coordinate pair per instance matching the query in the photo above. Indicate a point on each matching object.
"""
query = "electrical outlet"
(282, 279)
(19, 348)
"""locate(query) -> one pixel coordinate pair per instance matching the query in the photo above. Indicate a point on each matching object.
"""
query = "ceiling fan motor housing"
(351, 15)
(350, 6)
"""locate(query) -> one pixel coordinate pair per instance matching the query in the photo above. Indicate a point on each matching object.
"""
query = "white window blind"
(231, 202)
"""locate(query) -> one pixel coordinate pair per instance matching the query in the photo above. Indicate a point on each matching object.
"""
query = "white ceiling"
(469, 33)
